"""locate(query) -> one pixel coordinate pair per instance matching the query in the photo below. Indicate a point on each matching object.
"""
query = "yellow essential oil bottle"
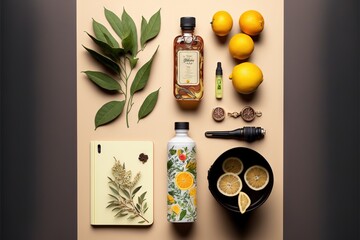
(218, 81)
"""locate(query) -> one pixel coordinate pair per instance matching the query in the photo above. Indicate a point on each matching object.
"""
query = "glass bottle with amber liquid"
(188, 65)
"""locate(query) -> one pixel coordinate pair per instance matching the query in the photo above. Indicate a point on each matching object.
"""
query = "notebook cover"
(121, 183)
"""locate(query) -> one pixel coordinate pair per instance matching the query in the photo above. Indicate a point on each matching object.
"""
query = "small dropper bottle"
(218, 81)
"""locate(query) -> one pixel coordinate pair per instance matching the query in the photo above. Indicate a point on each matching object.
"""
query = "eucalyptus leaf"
(121, 214)
(113, 53)
(114, 184)
(172, 151)
(133, 61)
(126, 192)
(151, 29)
(114, 190)
(113, 196)
(115, 23)
(143, 27)
(116, 209)
(103, 80)
(103, 34)
(142, 76)
(105, 61)
(169, 164)
(128, 42)
(123, 209)
(112, 181)
(142, 197)
(135, 191)
(108, 112)
(182, 214)
(131, 32)
(112, 205)
(148, 105)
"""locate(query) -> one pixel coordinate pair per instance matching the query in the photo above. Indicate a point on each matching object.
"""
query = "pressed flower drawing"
(124, 189)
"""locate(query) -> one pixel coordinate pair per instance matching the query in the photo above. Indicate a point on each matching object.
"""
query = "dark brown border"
(38, 120)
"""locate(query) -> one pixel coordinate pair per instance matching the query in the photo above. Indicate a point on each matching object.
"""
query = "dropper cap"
(219, 69)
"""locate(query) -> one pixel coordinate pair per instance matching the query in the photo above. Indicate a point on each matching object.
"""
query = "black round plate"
(249, 158)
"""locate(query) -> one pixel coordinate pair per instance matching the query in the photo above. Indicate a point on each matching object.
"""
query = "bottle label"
(188, 67)
(218, 89)
(181, 168)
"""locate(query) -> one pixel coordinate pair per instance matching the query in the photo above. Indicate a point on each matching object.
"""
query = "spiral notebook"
(121, 183)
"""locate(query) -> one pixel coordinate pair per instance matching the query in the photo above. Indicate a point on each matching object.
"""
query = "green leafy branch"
(119, 60)
(123, 193)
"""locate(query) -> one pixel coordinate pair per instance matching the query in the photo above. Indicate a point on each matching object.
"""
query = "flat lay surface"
(213, 221)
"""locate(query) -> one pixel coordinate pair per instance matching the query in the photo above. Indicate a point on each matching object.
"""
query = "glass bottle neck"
(181, 132)
(187, 32)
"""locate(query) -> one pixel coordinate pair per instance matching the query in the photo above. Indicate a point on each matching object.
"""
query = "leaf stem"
(129, 206)
(123, 69)
(138, 212)
(129, 99)
(128, 109)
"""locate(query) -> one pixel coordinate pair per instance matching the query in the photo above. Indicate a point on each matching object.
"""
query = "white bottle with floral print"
(181, 169)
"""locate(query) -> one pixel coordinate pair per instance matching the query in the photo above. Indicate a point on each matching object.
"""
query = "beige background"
(213, 222)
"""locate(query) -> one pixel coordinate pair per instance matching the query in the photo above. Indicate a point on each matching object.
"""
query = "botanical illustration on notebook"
(121, 183)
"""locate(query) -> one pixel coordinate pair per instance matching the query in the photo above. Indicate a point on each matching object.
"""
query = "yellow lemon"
(241, 46)
(176, 209)
(192, 192)
(221, 23)
(243, 202)
(246, 77)
(170, 199)
(251, 22)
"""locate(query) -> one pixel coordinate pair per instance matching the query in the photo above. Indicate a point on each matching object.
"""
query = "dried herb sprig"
(124, 190)
(119, 59)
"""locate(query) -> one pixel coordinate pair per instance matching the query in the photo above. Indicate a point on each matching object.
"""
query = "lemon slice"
(243, 201)
(184, 180)
(229, 184)
(256, 177)
(233, 165)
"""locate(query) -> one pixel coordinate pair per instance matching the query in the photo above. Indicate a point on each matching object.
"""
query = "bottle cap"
(182, 125)
(219, 69)
(187, 23)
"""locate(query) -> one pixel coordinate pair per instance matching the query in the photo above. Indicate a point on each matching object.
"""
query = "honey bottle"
(188, 65)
